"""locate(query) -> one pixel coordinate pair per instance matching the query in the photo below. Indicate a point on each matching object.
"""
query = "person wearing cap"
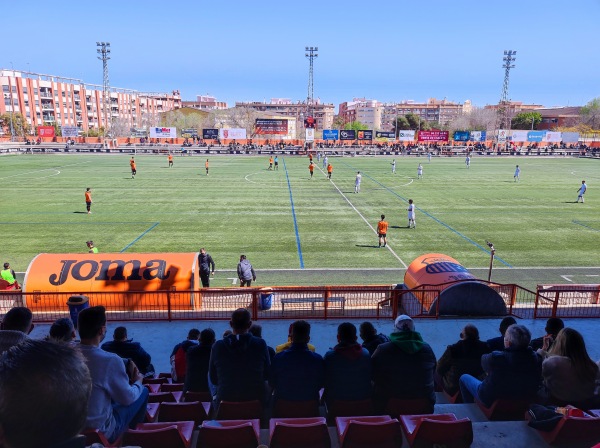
(127, 349)
(403, 368)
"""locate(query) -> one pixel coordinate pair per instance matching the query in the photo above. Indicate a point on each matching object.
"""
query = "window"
(24, 89)
(5, 89)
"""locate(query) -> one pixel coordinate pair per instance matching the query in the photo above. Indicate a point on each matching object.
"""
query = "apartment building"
(367, 112)
(205, 102)
(433, 110)
(50, 99)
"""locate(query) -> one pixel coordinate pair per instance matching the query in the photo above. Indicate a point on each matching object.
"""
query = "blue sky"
(254, 51)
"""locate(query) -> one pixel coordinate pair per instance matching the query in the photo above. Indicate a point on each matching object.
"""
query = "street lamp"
(492, 253)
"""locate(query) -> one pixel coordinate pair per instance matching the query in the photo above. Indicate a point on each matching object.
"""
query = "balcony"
(47, 106)
(46, 95)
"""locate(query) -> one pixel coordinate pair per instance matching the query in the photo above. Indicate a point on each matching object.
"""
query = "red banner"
(46, 131)
(433, 136)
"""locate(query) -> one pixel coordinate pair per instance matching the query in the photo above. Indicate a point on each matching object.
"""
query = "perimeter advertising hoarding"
(433, 136)
(478, 136)
(331, 134)
(310, 134)
(535, 136)
(570, 137)
(210, 134)
(502, 135)
(347, 134)
(518, 136)
(264, 126)
(365, 134)
(388, 135)
(406, 136)
(69, 131)
(163, 132)
(45, 131)
(552, 137)
(232, 133)
(461, 136)
(191, 132)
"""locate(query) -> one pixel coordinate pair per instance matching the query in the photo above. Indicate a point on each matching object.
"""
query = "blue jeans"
(129, 416)
(469, 386)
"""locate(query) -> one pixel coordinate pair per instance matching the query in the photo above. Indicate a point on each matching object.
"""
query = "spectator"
(281, 347)
(16, 325)
(404, 367)
(178, 358)
(227, 333)
(256, 330)
(44, 393)
(498, 343)
(553, 327)
(8, 275)
(370, 338)
(245, 272)
(127, 349)
(569, 375)
(514, 372)
(115, 404)
(207, 266)
(62, 330)
(239, 364)
(297, 373)
(460, 358)
(197, 358)
(347, 367)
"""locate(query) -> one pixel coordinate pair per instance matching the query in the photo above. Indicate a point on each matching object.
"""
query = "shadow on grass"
(366, 245)
(399, 227)
(82, 213)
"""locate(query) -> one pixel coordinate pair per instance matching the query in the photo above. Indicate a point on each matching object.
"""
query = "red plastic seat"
(239, 410)
(368, 431)
(160, 397)
(151, 412)
(229, 434)
(574, 429)
(160, 380)
(94, 436)
(160, 435)
(165, 375)
(152, 388)
(437, 429)
(505, 409)
(347, 408)
(171, 387)
(295, 409)
(299, 433)
(178, 412)
(197, 396)
(408, 406)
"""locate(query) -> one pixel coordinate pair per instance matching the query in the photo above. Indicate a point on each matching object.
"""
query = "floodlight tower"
(503, 110)
(311, 54)
(104, 51)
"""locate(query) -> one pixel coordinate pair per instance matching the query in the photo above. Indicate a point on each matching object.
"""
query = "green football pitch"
(297, 230)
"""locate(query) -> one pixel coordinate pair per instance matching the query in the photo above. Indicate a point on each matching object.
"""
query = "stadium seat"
(368, 431)
(295, 409)
(437, 429)
(406, 406)
(160, 435)
(453, 399)
(505, 409)
(239, 410)
(171, 387)
(347, 408)
(573, 430)
(229, 434)
(299, 433)
(160, 397)
(178, 412)
(152, 388)
(160, 380)
(94, 436)
(151, 412)
(165, 375)
(197, 396)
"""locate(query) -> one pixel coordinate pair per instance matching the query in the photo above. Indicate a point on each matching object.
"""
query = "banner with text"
(365, 134)
(406, 136)
(347, 134)
(69, 131)
(570, 137)
(477, 136)
(535, 136)
(518, 136)
(163, 132)
(331, 134)
(210, 134)
(502, 135)
(461, 136)
(383, 134)
(310, 134)
(232, 133)
(45, 131)
(552, 137)
(264, 126)
(433, 136)
(189, 133)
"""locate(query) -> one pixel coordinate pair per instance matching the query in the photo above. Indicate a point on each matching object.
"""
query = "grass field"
(300, 231)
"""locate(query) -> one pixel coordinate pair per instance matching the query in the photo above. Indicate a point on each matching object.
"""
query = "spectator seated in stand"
(197, 359)
(256, 330)
(498, 343)
(127, 349)
(370, 338)
(15, 327)
(462, 357)
(62, 330)
(553, 326)
(178, 355)
(288, 344)
(44, 393)
(514, 373)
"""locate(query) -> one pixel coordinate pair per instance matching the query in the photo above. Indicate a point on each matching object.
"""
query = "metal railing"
(567, 301)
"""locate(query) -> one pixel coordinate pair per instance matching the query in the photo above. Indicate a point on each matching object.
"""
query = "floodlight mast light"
(503, 107)
(104, 51)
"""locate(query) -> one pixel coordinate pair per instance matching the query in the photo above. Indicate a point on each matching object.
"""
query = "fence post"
(169, 305)
(555, 305)
(513, 295)
(326, 297)
(255, 304)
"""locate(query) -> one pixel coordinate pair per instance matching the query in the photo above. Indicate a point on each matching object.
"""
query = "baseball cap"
(404, 323)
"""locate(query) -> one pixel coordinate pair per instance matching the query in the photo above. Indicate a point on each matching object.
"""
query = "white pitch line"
(566, 277)
(45, 169)
(364, 219)
(259, 183)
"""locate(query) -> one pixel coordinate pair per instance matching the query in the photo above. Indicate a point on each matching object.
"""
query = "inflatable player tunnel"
(117, 275)
(469, 297)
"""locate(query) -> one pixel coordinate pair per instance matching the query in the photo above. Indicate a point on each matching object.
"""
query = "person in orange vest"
(170, 160)
(329, 170)
(311, 168)
(88, 200)
(206, 166)
(271, 163)
(382, 227)
(133, 170)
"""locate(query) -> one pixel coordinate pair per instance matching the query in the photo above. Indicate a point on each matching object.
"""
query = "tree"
(479, 119)
(356, 125)
(120, 127)
(338, 122)
(20, 126)
(590, 114)
(526, 120)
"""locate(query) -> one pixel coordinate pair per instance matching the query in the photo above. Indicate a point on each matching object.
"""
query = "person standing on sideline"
(270, 163)
(429, 157)
(276, 163)
(207, 267)
(411, 214)
(9, 276)
(329, 170)
(88, 200)
(382, 227)
(318, 157)
(393, 166)
(206, 166)
(311, 168)
(420, 171)
(91, 248)
(170, 160)
(581, 191)
(245, 272)
(325, 159)
(357, 182)
(133, 168)
(517, 173)
(468, 161)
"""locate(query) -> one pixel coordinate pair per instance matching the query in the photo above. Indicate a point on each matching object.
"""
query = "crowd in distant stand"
(51, 389)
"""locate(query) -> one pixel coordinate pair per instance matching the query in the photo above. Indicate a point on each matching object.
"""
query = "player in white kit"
(393, 166)
(581, 191)
(357, 182)
(411, 214)
(420, 171)
(517, 173)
